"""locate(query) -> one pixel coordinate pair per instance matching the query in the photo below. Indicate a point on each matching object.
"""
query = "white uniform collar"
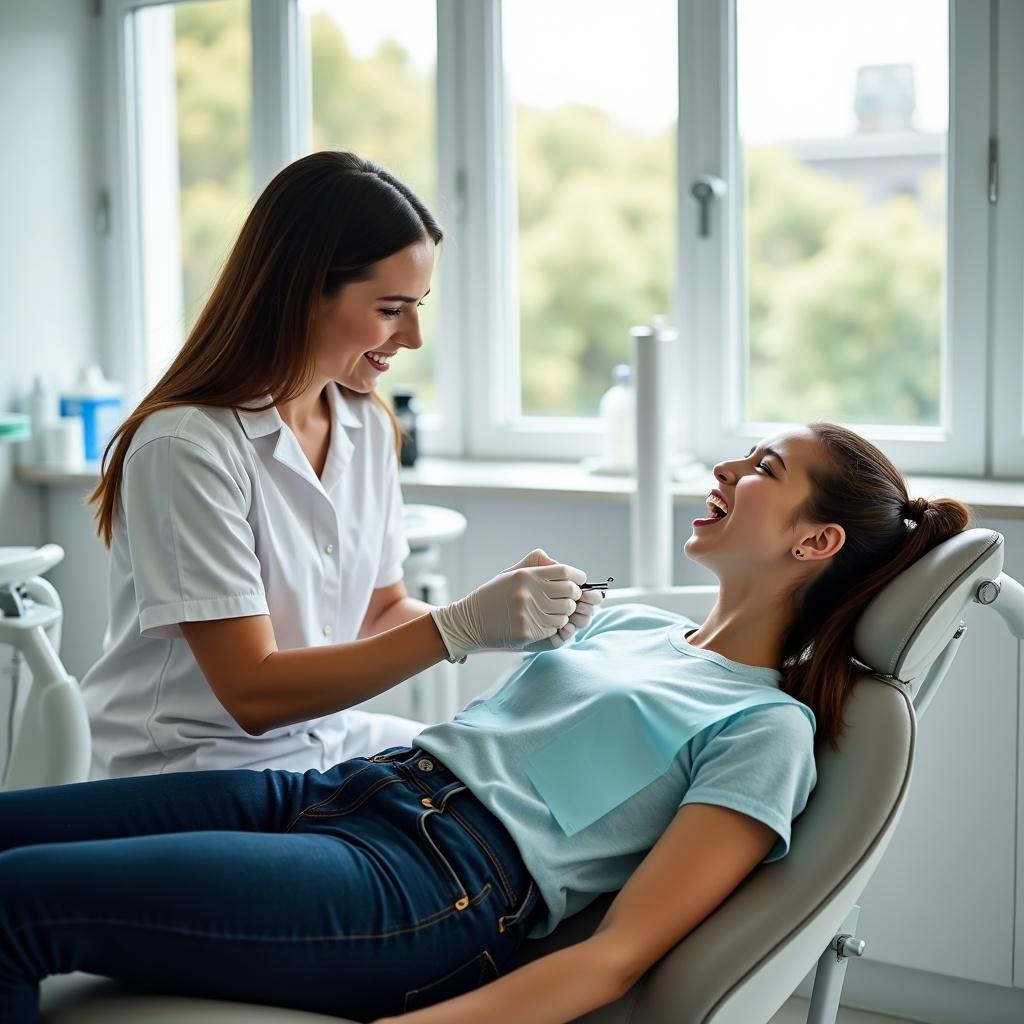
(258, 423)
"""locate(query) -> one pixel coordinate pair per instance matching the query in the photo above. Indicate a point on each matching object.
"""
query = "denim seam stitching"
(485, 955)
(327, 799)
(492, 856)
(114, 922)
(355, 805)
(421, 823)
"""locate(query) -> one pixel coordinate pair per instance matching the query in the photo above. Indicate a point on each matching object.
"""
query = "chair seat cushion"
(86, 999)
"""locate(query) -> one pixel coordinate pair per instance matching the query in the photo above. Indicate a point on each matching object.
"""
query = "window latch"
(705, 190)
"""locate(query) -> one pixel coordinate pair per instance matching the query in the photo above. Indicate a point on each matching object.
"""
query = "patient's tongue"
(708, 521)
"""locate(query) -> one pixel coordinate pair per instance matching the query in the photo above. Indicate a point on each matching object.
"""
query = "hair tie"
(915, 508)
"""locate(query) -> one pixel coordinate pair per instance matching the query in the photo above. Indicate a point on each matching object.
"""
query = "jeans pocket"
(477, 971)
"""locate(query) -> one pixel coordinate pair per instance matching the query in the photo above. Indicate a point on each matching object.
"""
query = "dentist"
(252, 507)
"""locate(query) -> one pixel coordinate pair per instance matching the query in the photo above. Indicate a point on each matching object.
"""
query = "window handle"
(705, 190)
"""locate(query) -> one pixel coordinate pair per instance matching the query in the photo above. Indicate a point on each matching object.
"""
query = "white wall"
(50, 154)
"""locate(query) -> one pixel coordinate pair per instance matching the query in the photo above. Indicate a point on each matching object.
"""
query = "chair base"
(831, 971)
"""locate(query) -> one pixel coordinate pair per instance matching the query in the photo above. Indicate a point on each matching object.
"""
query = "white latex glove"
(586, 605)
(529, 601)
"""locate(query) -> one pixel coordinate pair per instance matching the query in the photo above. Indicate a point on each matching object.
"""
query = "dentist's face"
(360, 328)
(762, 495)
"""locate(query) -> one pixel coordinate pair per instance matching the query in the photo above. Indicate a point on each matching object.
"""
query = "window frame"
(1006, 339)
(477, 348)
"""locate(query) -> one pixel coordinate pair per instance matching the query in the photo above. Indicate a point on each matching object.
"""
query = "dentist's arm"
(264, 688)
(390, 607)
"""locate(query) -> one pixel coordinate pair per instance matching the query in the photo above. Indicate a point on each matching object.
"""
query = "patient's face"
(763, 492)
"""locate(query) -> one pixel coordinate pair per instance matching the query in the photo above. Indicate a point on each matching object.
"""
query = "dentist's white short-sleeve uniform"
(222, 515)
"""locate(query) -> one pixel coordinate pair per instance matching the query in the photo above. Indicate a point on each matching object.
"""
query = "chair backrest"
(744, 960)
(905, 627)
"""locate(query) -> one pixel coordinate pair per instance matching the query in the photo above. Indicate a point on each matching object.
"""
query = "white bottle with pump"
(618, 418)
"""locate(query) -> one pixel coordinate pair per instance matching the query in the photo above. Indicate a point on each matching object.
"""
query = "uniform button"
(328, 631)
(329, 548)
(424, 765)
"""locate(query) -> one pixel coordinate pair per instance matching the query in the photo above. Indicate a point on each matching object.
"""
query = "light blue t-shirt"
(586, 753)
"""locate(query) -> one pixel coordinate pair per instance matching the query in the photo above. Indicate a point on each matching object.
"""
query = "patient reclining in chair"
(652, 755)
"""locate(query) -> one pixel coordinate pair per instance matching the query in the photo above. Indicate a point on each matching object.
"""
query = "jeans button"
(424, 765)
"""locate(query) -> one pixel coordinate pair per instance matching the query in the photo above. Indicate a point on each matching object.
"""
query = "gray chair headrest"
(905, 627)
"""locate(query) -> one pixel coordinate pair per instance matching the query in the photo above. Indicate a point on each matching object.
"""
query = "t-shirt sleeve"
(395, 548)
(761, 764)
(192, 549)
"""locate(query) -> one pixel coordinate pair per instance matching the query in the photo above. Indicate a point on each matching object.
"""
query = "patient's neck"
(747, 624)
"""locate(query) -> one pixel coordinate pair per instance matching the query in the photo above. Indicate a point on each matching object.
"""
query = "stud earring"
(798, 553)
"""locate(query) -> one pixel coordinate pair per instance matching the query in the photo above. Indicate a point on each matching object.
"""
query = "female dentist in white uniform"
(252, 506)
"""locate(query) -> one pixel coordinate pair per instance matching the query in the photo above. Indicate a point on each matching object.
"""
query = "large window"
(842, 130)
(592, 93)
(812, 196)
(194, 99)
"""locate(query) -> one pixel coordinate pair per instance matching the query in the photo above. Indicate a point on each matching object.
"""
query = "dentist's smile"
(379, 361)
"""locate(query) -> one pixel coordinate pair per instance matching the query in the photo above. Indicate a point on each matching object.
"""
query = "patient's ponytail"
(857, 487)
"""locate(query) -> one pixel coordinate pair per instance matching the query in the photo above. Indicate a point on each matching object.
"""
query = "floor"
(794, 1011)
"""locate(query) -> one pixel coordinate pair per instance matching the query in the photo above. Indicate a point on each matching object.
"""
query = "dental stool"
(50, 737)
(746, 958)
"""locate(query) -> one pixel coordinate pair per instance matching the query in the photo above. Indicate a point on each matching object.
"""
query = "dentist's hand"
(529, 601)
(586, 605)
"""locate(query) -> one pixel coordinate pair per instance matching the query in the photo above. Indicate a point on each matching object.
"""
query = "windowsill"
(433, 476)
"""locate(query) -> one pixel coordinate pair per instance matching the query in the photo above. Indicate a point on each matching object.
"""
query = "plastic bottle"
(618, 416)
(406, 412)
(42, 410)
(98, 402)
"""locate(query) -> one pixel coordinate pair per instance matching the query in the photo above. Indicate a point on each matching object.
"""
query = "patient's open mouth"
(718, 509)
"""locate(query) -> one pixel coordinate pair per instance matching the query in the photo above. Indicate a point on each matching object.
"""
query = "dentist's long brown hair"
(321, 223)
(856, 486)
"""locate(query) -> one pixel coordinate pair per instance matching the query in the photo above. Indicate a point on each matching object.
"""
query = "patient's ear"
(823, 542)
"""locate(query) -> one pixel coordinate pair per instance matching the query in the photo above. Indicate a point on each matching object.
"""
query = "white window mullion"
(483, 278)
(962, 450)
(443, 434)
(124, 312)
(1008, 217)
(280, 93)
(705, 69)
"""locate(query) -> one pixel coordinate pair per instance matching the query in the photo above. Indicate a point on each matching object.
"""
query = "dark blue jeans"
(368, 890)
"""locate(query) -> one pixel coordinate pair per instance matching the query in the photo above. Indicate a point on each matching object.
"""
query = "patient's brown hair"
(856, 486)
(320, 224)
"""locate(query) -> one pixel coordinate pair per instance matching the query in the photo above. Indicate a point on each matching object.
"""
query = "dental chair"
(745, 959)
